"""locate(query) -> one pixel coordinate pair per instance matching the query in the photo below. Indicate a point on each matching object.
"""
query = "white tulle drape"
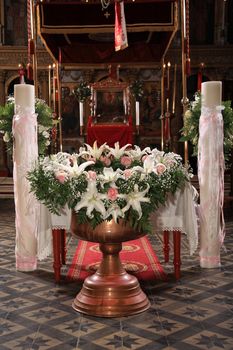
(211, 181)
(25, 154)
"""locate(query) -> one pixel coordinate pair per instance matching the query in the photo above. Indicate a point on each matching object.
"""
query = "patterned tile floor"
(193, 313)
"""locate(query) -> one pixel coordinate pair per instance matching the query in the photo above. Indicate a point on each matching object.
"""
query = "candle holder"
(21, 72)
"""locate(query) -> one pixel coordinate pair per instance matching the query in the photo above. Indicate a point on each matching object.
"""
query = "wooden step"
(6, 187)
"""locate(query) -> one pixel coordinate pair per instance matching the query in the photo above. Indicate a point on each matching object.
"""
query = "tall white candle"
(211, 92)
(81, 113)
(25, 97)
(137, 113)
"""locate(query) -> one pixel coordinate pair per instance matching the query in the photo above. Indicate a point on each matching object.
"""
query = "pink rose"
(126, 161)
(112, 194)
(61, 176)
(105, 160)
(127, 173)
(91, 175)
(159, 168)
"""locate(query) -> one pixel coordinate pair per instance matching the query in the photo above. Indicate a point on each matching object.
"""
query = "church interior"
(136, 94)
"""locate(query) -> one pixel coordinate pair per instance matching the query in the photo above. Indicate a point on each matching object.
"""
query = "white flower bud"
(6, 137)
(45, 134)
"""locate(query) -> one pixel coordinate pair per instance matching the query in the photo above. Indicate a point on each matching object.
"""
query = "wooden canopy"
(80, 32)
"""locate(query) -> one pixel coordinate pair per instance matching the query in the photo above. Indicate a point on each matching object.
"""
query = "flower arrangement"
(136, 89)
(82, 92)
(45, 123)
(104, 183)
(190, 130)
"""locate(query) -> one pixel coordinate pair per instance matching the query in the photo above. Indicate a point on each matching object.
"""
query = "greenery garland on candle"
(190, 130)
(136, 89)
(82, 91)
(45, 123)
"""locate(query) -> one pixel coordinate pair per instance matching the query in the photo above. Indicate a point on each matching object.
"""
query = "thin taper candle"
(174, 90)
(49, 85)
(162, 104)
(54, 88)
(168, 75)
(59, 105)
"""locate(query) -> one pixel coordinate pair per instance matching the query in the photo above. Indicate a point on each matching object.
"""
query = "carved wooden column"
(2, 86)
(43, 82)
(219, 28)
(2, 23)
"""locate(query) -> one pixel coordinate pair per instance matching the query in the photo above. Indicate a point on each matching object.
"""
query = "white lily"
(134, 200)
(148, 166)
(137, 153)
(118, 152)
(172, 156)
(94, 152)
(92, 199)
(115, 211)
(158, 155)
(109, 175)
(75, 170)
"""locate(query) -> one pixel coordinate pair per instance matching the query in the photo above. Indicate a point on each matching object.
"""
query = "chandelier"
(105, 4)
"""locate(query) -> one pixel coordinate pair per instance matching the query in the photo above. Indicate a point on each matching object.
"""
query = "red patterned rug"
(137, 257)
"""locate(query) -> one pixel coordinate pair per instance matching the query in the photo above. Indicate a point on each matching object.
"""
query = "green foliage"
(98, 192)
(6, 116)
(44, 118)
(190, 130)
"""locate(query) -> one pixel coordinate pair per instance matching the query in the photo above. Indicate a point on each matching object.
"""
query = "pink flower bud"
(112, 194)
(61, 176)
(105, 160)
(92, 175)
(126, 161)
(127, 173)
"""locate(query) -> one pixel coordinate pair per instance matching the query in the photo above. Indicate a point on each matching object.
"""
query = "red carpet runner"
(137, 257)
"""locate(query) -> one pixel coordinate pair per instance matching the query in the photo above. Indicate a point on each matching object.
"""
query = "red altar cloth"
(110, 133)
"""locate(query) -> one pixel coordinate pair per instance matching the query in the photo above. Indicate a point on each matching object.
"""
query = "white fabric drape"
(178, 213)
(25, 155)
(46, 224)
(211, 181)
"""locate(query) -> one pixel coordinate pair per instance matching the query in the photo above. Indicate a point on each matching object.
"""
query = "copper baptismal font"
(110, 291)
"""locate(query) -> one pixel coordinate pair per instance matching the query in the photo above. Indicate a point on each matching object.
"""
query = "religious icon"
(109, 104)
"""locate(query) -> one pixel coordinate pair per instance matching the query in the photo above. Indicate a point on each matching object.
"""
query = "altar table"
(176, 217)
(110, 133)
